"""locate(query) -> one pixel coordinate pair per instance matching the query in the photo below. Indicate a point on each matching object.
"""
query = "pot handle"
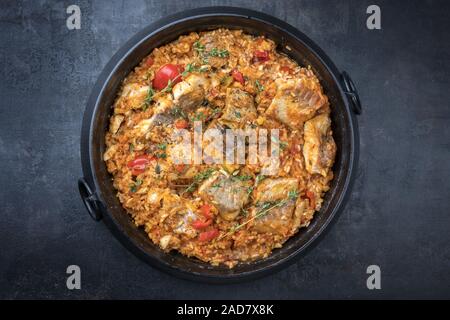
(351, 92)
(89, 199)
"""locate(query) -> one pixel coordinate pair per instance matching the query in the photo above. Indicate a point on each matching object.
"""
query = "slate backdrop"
(398, 216)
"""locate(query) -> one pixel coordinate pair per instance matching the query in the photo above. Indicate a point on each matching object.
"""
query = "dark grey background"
(398, 216)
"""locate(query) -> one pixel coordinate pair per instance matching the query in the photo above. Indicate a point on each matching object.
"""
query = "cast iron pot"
(96, 188)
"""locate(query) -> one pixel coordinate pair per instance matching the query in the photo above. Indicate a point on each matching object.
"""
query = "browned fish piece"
(319, 149)
(297, 100)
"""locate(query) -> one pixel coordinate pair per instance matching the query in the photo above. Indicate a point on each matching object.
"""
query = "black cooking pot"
(96, 188)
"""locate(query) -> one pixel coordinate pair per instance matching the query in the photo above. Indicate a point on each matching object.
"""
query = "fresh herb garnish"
(162, 146)
(238, 114)
(157, 169)
(259, 86)
(216, 185)
(219, 53)
(199, 177)
(214, 52)
(148, 98)
(135, 185)
(178, 112)
(198, 46)
(244, 177)
(199, 116)
(190, 67)
(131, 147)
(282, 144)
(259, 178)
(264, 208)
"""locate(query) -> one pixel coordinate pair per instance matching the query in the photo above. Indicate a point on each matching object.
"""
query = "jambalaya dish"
(220, 212)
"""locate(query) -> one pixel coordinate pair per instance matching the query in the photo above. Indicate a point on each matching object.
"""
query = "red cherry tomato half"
(208, 235)
(237, 76)
(199, 224)
(206, 211)
(164, 74)
(181, 124)
(139, 164)
(260, 56)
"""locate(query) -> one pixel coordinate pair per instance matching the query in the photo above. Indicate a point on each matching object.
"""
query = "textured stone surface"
(398, 216)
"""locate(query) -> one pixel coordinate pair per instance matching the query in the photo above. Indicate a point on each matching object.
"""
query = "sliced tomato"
(206, 211)
(149, 62)
(164, 74)
(208, 235)
(237, 76)
(181, 124)
(286, 69)
(180, 168)
(260, 56)
(199, 224)
(139, 164)
(312, 199)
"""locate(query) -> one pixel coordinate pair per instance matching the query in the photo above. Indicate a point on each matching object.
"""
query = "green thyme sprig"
(198, 178)
(264, 208)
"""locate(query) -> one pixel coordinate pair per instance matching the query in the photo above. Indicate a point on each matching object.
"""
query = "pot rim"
(105, 78)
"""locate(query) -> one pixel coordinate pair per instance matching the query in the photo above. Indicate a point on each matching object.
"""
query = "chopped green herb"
(264, 208)
(162, 146)
(199, 177)
(259, 178)
(226, 81)
(131, 147)
(169, 86)
(244, 177)
(282, 144)
(192, 68)
(259, 86)
(148, 99)
(216, 185)
(178, 112)
(237, 114)
(157, 169)
(292, 194)
(198, 46)
(199, 116)
(219, 53)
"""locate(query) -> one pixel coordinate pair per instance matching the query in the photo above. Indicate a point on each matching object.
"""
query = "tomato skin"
(164, 74)
(260, 56)
(312, 199)
(139, 164)
(180, 168)
(286, 69)
(199, 224)
(237, 76)
(208, 235)
(206, 211)
(149, 62)
(181, 124)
